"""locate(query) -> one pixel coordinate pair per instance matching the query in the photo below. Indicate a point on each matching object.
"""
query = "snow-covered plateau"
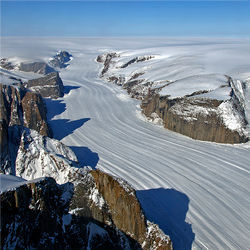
(197, 192)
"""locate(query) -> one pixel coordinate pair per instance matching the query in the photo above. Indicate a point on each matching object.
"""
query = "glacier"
(208, 182)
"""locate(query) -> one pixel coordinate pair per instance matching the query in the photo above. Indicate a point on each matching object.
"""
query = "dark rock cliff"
(60, 59)
(113, 202)
(18, 109)
(50, 85)
(36, 216)
(180, 115)
(44, 215)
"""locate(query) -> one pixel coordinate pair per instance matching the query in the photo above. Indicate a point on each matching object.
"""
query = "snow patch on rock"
(40, 156)
(231, 118)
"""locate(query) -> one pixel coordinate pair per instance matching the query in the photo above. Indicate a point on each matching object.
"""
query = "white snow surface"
(97, 198)
(198, 192)
(24, 76)
(42, 156)
(192, 84)
(10, 182)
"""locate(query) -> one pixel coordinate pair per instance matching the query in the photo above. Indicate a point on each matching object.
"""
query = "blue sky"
(125, 18)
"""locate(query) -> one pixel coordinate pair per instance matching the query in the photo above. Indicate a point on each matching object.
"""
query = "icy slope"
(207, 184)
(11, 182)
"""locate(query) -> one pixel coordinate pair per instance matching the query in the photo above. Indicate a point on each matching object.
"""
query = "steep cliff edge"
(23, 108)
(36, 67)
(50, 85)
(42, 214)
(19, 109)
(198, 118)
(126, 212)
(36, 216)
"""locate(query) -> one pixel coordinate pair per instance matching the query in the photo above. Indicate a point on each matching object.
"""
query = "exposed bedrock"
(50, 85)
(20, 107)
(106, 59)
(196, 118)
(36, 216)
(60, 59)
(42, 214)
(113, 202)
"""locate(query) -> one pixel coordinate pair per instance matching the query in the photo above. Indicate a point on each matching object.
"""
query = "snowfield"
(198, 192)
(10, 182)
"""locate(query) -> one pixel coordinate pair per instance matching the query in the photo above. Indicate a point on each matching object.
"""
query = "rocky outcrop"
(42, 214)
(18, 109)
(60, 59)
(23, 108)
(137, 59)
(198, 118)
(106, 59)
(32, 216)
(136, 88)
(36, 67)
(49, 157)
(50, 85)
(34, 115)
(4, 63)
(36, 216)
(113, 202)
(123, 205)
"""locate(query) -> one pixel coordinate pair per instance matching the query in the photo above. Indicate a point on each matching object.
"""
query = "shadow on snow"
(168, 209)
(64, 127)
(67, 89)
(85, 156)
(54, 107)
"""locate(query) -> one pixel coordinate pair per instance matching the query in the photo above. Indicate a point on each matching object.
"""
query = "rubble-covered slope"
(201, 105)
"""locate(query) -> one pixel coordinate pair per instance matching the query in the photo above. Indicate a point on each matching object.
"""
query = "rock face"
(106, 59)
(197, 118)
(137, 59)
(36, 67)
(60, 59)
(123, 205)
(4, 63)
(18, 109)
(41, 214)
(34, 115)
(113, 202)
(50, 85)
(36, 216)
